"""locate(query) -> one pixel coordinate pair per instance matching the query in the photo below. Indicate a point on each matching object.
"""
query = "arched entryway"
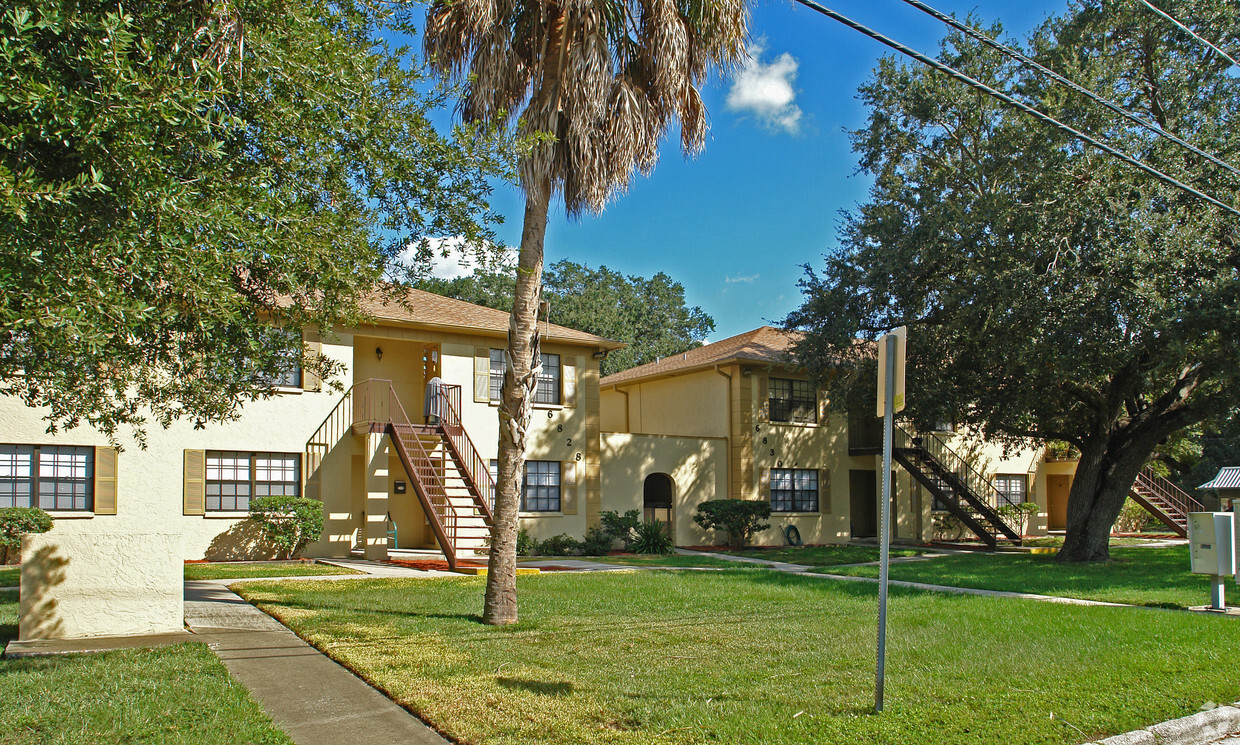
(657, 500)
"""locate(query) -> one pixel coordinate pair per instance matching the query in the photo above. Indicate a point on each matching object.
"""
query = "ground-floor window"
(233, 478)
(794, 490)
(1011, 489)
(50, 477)
(540, 488)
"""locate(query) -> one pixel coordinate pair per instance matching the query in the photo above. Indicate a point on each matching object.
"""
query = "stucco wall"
(697, 466)
(690, 405)
(100, 584)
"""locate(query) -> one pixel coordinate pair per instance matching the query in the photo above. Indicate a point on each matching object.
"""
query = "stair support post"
(377, 472)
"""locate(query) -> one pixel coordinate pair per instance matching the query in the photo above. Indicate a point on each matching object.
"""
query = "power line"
(1191, 32)
(1045, 118)
(1018, 56)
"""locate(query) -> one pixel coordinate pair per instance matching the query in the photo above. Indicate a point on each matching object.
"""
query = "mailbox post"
(1211, 538)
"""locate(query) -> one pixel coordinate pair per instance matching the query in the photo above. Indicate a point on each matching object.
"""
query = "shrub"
(1133, 518)
(652, 538)
(597, 542)
(947, 527)
(288, 522)
(740, 518)
(560, 545)
(525, 544)
(1019, 515)
(623, 527)
(17, 520)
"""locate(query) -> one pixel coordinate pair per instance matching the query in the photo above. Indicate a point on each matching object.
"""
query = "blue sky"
(735, 224)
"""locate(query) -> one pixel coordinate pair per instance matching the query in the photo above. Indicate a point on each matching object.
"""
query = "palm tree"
(596, 84)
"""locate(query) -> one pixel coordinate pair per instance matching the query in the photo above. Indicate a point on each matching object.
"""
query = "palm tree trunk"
(500, 606)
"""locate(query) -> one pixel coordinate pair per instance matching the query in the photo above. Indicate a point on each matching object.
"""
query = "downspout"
(728, 455)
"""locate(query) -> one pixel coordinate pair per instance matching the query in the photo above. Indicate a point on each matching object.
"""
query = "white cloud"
(765, 90)
(747, 280)
(449, 257)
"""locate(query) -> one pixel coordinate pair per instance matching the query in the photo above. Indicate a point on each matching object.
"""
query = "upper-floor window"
(793, 400)
(234, 478)
(50, 477)
(288, 370)
(1011, 489)
(547, 390)
(794, 490)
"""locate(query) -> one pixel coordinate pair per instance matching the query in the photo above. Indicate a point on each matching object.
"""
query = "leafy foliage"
(176, 179)
(1051, 292)
(647, 314)
(14, 521)
(739, 518)
(290, 523)
(1019, 515)
(525, 543)
(621, 527)
(596, 542)
(653, 538)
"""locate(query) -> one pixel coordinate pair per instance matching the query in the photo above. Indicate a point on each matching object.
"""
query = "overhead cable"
(955, 74)
(1019, 57)
(1194, 34)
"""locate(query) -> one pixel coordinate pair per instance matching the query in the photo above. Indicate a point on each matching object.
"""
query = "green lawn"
(1138, 576)
(169, 696)
(242, 570)
(822, 556)
(669, 560)
(757, 656)
(10, 576)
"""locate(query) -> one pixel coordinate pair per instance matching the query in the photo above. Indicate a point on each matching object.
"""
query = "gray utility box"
(1212, 541)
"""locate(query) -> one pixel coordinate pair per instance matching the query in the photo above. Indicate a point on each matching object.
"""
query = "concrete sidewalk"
(313, 699)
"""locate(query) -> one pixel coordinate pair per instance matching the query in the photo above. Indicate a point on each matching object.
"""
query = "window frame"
(548, 389)
(1005, 495)
(275, 461)
(792, 408)
(794, 500)
(37, 477)
(558, 486)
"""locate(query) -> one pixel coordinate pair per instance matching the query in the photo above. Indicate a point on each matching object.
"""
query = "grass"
(10, 576)
(664, 560)
(757, 656)
(179, 695)
(1055, 541)
(1137, 576)
(821, 556)
(243, 570)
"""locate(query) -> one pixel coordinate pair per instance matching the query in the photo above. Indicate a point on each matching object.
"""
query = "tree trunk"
(500, 607)
(1109, 464)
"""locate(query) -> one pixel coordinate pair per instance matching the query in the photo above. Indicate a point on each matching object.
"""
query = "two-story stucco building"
(126, 520)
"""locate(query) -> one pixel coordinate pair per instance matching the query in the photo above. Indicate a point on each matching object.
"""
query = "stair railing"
(401, 426)
(476, 468)
(960, 469)
(335, 425)
(1151, 484)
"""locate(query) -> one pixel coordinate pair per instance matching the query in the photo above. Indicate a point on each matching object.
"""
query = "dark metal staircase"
(955, 484)
(1164, 500)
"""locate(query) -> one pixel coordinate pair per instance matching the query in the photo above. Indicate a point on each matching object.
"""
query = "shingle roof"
(1227, 478)
(428, 309)
(765, 345)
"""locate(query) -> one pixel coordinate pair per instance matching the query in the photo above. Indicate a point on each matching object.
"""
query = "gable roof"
(1227, 478)
(765, 345)
(439, 312)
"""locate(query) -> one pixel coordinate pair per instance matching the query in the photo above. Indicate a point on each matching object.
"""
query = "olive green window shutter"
(482, 375)
(568, 487)
(105, 481)
(764, 486)
(764, 398)
(309, 380)
(195, 482)
(569, 381)
(824, 490)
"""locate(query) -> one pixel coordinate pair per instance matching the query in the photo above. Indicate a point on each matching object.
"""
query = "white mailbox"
(1211, 538)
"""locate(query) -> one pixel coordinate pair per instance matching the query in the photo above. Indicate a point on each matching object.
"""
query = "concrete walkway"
(802, 569)
(310, 697)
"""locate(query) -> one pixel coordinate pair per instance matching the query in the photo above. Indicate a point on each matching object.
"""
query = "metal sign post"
(890, 400)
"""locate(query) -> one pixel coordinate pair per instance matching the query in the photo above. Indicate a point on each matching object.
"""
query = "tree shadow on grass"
(542, 687)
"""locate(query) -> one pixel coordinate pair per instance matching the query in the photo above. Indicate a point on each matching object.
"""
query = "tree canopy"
(179, 181)
(1052, 292)
(647, 314)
